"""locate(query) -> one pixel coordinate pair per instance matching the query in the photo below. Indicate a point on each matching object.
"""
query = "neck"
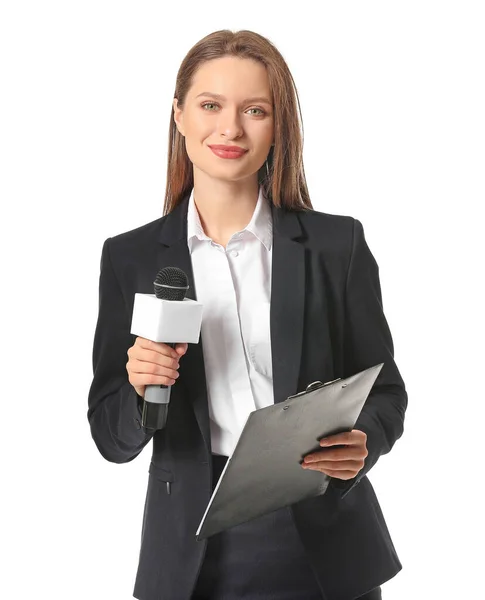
(224, 207)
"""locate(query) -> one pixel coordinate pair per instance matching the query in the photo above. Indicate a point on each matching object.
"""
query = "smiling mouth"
(229, 152)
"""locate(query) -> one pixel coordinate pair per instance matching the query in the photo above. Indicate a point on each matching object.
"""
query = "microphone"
(168, 317)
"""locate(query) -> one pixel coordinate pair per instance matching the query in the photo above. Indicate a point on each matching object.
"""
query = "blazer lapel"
(286, 308)
(287, 303)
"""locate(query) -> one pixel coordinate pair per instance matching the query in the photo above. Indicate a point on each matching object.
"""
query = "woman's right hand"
(153, 363)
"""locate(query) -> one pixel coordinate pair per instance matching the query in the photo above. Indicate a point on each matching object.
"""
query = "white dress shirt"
(234, 286)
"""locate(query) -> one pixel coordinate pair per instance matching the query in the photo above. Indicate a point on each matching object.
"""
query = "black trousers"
(262, 559)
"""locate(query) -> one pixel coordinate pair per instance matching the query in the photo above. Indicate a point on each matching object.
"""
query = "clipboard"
(264, 473)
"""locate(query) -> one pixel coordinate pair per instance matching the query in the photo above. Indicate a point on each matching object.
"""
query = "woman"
(291, 295)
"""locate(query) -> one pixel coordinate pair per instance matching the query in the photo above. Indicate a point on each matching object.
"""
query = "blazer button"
(137, 423)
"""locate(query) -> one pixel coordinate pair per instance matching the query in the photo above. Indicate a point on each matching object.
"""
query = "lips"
(227, 151)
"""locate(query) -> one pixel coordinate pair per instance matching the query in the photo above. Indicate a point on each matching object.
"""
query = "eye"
(208, 104)
(261, 111)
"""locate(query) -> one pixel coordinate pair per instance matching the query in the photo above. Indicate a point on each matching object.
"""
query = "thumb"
(181, 348)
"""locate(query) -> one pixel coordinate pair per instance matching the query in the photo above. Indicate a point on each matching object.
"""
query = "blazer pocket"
(162, 475)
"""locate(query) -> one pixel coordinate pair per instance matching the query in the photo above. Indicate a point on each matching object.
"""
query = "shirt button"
(235, 253)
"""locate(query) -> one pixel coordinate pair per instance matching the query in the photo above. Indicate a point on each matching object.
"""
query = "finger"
(335, 473)
(152, 356)
(144, 379)
(337, 454)
(341, 474)
(140, 366)
(350, 438)
(159, 347)
(345, 465)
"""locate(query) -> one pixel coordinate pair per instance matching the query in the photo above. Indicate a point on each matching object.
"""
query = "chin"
(225, 172)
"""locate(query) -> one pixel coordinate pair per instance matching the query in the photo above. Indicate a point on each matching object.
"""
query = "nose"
(230, 124)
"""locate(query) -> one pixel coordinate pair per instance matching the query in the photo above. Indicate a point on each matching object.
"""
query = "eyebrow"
(221, 97)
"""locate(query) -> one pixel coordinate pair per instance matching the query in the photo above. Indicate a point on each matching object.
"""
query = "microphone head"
(171, 283)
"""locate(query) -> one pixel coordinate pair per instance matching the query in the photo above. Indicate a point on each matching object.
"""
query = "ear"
(178, 116)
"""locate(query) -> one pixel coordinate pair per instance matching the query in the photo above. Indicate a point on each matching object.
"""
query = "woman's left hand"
(342, 463)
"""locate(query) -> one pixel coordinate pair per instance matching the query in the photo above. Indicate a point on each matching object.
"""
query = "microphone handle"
(155, 404)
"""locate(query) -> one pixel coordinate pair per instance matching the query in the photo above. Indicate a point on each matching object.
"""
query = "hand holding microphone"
(152, 363)
(165, 322)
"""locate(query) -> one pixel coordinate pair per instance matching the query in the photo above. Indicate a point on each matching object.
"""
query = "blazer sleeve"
(114, 407)
(367, 342)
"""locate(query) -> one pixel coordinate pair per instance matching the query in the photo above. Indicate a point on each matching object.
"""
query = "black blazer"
(326, 321)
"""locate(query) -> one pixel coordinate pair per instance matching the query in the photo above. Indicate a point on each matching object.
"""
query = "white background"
(392, 95)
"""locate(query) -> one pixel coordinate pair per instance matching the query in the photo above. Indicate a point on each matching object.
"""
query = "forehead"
(232, 77)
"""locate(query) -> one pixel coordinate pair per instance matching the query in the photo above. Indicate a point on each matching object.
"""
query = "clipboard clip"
(315, 385)
(318, 384)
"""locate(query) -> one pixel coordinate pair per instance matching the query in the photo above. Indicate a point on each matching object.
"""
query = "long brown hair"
(283, 175)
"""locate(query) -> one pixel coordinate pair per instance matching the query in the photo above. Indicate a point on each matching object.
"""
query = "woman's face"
(229, 103)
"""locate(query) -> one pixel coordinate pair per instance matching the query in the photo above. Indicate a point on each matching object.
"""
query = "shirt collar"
(261, 224)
